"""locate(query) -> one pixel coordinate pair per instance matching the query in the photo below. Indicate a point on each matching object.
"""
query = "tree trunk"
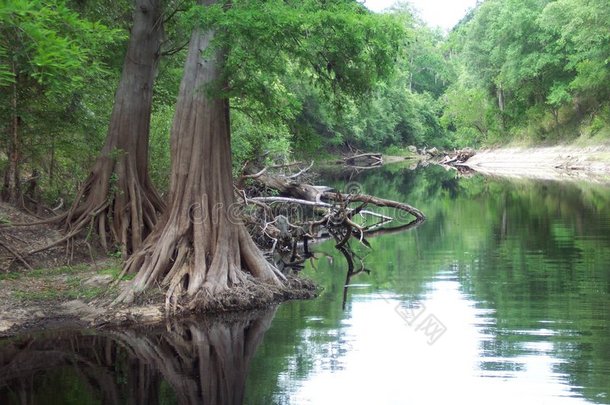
(500, 94)
(198, 248)
(11, 192)
(118, 196)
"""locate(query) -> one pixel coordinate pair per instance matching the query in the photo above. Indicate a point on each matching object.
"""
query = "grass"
(4, 220)
(399, 151)
(60, 283)
(71, 291)
(45, 272)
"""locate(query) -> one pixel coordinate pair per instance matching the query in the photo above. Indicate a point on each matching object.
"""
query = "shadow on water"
(189, 362)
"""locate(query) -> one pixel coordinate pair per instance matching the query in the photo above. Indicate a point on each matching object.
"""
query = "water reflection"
(190, 362)
(517, 272)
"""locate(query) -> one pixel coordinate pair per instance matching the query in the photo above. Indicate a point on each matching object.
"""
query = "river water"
(502, 296)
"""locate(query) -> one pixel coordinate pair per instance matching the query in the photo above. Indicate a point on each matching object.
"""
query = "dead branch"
(301, 171)
(380, 202)
(16, 254)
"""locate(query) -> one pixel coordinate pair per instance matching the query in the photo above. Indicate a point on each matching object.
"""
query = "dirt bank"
(572, 163)
(73, 285)
(81, 295)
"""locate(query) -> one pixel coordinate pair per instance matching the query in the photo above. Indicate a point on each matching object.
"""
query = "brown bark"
(197, 249)
(118, 197)
(288, 187)
(364, 160)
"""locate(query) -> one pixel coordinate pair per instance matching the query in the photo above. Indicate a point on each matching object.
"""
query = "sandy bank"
(572, 163)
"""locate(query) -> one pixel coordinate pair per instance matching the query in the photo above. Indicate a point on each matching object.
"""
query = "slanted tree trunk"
(118, 197)
(198, 248)
(11, 192)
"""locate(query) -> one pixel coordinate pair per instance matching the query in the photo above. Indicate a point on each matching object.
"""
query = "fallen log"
(364, 160)
(16, 255)
(380, 202)
(290, 188)
(281, 225)
(457, 157)
(321, 204)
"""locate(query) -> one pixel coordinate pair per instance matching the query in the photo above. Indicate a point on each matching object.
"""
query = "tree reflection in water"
(191, 361)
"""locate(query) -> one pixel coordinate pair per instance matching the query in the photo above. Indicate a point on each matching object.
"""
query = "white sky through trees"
(441, 13)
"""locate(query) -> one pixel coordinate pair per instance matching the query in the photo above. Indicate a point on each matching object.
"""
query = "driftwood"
(302, 193)
(457, 157)
(16, 255)
(380, 202)
(364, 160)
(284, 224)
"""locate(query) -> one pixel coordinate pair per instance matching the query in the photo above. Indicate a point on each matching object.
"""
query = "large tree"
(118, 197)
(198, 248)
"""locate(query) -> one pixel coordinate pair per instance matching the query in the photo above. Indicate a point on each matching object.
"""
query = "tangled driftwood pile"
(285, 213)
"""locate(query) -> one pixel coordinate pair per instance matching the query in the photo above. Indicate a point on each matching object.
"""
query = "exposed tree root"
(118, 201)
(172, 260)
(199, 248)
(122, 211)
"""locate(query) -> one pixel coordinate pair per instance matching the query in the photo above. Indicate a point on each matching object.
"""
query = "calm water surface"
(502, 296)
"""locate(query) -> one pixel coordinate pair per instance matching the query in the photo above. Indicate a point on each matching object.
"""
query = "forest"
(510, 71)
(128, 118)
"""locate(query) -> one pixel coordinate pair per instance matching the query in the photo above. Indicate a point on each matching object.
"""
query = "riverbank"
(80, 296)
(74, 285)
(562, 162)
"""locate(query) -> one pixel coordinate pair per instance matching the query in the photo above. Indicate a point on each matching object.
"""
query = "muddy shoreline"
(27, 315)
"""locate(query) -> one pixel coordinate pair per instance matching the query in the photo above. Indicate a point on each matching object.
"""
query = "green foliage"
(538, 64)
(52, 67)
(299, 66)
(338, 45)
(252, 139)
(51, 45)
(402, 109)
(159, 153)
(310, 77)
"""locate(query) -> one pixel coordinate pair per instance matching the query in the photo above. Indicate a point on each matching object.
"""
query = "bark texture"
(199, 246)
(118, 197)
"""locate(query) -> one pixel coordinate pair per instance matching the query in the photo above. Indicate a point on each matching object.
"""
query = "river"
(502, 296)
